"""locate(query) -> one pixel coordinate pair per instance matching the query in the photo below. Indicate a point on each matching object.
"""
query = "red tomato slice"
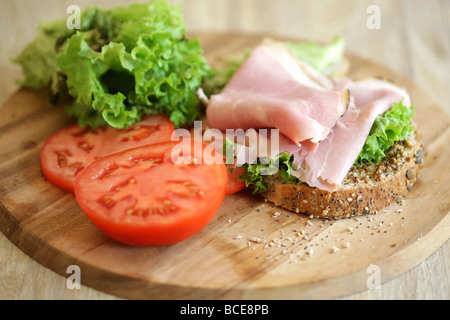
(65, 153)
(140, 197)
(233, 184)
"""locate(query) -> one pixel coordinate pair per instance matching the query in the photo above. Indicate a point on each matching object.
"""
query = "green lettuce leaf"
(394, 125)
(320, 56)
(219, 76)
(38, 59)
(254, 173)
(122, 64)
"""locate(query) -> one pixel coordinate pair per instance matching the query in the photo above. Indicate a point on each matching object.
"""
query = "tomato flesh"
(140, 197)
(68, 151)
(234, 173)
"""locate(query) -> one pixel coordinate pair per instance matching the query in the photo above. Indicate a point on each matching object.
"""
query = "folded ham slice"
(273, 89)
(327, 166)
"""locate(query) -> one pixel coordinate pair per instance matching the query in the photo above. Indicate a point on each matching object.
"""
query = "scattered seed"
(334, 250)
(255, 239)
(276, 214)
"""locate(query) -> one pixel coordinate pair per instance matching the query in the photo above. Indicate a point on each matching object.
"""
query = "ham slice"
(327, 166)
(273, 89)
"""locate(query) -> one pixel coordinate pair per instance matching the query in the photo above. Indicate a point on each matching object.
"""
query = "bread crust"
(387, 182)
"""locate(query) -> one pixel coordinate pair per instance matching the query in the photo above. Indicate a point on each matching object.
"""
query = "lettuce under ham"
(388, 128)
(392, 126)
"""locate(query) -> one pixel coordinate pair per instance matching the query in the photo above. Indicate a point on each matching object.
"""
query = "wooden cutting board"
(251, 249)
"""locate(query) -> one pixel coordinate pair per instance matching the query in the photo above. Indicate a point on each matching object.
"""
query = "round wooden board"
(251, 249)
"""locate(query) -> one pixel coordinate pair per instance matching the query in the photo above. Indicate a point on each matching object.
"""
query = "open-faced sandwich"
(345, 147)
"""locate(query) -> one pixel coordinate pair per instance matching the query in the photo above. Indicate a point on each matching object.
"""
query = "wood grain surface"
(251, 249)
(419, 51)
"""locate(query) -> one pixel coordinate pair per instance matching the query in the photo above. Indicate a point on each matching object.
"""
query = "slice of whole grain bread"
(367, 189)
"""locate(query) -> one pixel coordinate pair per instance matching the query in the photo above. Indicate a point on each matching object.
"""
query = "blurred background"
(411, 37)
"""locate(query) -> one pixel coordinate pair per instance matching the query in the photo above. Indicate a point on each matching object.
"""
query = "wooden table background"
(413, 40)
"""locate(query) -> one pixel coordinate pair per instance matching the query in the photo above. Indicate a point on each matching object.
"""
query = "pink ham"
(327, 166)
(273, 89)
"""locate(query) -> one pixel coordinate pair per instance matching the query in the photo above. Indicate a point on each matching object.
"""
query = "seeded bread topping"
(397, 157)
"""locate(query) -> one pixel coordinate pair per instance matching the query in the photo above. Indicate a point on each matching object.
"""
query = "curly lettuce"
(121, 64)
(38, 59)
(220, 75)
(321, 56)
(254, 172)
(392, 126)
